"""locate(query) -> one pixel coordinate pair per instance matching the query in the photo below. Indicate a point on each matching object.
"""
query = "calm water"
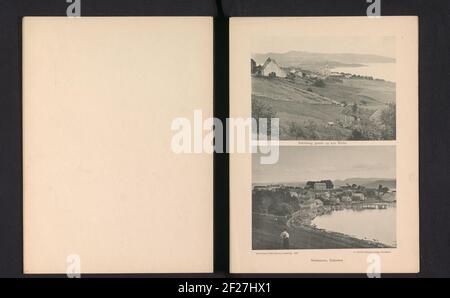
(385, 71)
(377, 224)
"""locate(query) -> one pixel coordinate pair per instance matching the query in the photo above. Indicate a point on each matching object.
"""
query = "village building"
(320, 186)
(358, 196)
(318, 203)
(334, 200)
(326, 72)
(346, 199)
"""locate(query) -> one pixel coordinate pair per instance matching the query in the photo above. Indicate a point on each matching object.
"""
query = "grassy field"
(300, 102)
(266, 235)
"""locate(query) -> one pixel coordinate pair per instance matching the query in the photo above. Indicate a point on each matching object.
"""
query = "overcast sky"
(303, 163)
(383, 46)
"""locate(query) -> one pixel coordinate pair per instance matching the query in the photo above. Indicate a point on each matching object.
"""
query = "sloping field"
(266, 235)
(379, 91)
(302, 113)
(301, 103)
(283, 90)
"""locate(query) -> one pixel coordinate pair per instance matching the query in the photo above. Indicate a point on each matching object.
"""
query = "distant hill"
(314, 60)
(368, 182)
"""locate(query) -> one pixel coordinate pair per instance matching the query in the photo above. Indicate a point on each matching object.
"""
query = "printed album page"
(339, 194)
(103, 190)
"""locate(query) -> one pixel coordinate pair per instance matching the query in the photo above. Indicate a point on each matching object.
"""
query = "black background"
(434, 65)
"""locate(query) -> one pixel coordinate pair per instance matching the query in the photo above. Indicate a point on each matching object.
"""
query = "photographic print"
(326, 88)
(325, 197)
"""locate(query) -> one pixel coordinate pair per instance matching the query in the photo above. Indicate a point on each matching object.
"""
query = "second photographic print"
(326, 197)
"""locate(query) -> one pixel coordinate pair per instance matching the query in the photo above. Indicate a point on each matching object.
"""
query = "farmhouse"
(271, 68)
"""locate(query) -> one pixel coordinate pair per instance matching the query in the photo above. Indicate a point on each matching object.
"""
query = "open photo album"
(119, 135)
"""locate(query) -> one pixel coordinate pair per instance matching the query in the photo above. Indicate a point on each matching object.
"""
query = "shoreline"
(304, 217)
(303, 235)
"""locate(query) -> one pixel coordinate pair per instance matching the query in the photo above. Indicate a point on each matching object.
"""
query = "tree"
(296, 131)
(253, 66)
(380, 189)
(370, 193)
(388, 119)
(261, 110)
(311, 130)
(356, 135)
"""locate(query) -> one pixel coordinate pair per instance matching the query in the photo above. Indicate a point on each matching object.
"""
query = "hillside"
(312, 108)
(391, 183)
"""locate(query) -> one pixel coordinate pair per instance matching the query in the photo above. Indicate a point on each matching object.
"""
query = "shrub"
(319, 83)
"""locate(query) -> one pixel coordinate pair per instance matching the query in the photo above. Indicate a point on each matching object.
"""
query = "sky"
(375, 45)
(303, 163)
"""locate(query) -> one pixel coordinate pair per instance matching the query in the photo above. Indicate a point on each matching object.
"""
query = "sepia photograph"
(326, 88)
(325, 197)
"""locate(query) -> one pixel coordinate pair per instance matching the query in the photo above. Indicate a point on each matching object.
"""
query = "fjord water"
(369, 224)
(385, 71)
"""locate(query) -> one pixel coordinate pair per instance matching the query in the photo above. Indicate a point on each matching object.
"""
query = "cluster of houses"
(342, 75)
(270, 68)
(319, 193)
